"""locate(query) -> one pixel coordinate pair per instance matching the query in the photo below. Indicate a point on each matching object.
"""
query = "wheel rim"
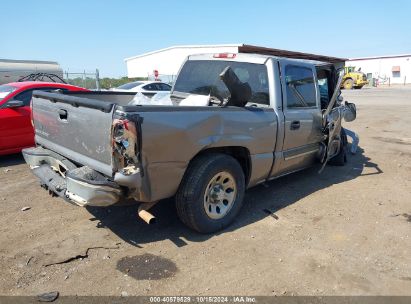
(220, 195)
(348, 85)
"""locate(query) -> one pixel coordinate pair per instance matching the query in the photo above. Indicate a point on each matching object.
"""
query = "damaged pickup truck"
(233, 121)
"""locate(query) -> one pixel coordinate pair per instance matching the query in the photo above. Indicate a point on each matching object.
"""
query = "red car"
(16, 130)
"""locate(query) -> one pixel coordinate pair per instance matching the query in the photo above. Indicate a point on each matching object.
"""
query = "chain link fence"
(88, 80)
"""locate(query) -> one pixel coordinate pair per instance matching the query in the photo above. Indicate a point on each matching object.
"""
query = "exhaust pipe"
(147, 217)
(144, 214)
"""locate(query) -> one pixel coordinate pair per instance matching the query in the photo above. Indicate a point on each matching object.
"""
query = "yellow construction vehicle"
(353, 79)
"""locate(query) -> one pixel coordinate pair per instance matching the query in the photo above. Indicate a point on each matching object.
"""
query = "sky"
(90, 34)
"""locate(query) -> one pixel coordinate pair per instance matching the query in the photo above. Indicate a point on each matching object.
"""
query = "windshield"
(129, 85)
(350, 69)
(202, 77)
(6, 90)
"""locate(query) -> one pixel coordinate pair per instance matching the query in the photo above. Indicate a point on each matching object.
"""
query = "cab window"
(202, 77)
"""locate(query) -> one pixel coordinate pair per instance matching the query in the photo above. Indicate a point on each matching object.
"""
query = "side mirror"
(15, 104)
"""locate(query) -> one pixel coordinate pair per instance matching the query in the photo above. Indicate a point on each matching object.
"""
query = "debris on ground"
(407, 217)
(48, 296)
(80, 256)
(272, 214)
(7, 170)
(25, 208)
(28, 261)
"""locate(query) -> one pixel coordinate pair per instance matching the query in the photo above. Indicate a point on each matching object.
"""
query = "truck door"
(302, 115)
(16, 129)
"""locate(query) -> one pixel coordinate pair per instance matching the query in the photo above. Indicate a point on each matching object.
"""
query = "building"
(394, 69)
(168, 61)
(13, 70)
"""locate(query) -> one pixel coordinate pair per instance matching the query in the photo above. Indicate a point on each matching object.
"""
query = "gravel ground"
(343, 232)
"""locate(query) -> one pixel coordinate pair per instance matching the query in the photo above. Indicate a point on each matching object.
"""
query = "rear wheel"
(348, 84)
(211, 193)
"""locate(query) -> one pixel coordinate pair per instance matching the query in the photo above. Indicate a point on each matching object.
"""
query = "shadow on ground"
(260, 202)
(11, 160)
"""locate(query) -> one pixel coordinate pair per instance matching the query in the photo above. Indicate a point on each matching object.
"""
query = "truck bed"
(81, 128)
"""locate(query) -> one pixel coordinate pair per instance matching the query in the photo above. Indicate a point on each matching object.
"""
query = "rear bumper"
(80, 185)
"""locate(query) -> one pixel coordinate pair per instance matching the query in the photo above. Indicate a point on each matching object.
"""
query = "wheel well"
(241, 154)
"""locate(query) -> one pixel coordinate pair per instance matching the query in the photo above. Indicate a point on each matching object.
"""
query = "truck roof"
(246, 48)
(250, 57)
(259, 54)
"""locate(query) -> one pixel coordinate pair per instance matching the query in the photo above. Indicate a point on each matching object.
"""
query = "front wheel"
(341, 158)
(348, 84)
(211, 193)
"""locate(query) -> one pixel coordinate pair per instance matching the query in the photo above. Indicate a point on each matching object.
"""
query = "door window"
(300, 87)
(25, 97)
(130, 85)
(165, 87)
(150, 87)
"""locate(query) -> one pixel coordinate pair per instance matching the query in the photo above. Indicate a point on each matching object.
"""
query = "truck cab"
(298, 91)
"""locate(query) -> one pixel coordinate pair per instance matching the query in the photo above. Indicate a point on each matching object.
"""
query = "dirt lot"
(344, 232)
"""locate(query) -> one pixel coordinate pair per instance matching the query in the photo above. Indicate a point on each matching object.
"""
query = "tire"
(341, 158)
(348, 84)
(204, 200)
